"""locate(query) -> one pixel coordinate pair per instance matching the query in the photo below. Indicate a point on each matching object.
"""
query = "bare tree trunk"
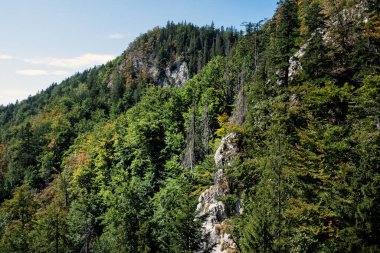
(206, 128)
(188, 160)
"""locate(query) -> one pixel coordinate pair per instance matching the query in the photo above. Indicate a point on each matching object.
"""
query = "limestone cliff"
(214, 227)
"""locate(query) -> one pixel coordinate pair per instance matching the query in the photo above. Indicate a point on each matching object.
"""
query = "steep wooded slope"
(105, 162)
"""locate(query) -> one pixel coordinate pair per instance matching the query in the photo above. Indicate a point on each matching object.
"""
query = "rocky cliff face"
(214, 227)
(335, 22)
(294, 62)
(175, 75)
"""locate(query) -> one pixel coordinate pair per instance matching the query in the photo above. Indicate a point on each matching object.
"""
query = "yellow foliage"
(222, 120)
(82, 159)
(227, 126)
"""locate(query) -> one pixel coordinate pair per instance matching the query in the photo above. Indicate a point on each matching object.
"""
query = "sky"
(46, 41)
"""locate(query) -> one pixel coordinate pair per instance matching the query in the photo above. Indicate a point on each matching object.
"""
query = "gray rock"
(179, 75)
(227, 150)
(214, 227)
(294, 63)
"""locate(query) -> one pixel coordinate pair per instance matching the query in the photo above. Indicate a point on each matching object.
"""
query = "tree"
(286, 33)
(21, 157)
(50, 231)
(315, 62)
(177, 229)
(17, 214)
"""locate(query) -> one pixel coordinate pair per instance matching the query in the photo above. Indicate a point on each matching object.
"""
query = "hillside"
(98, 94)
(198, 139)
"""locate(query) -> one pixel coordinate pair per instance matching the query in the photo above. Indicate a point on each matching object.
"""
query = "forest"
(206, 139)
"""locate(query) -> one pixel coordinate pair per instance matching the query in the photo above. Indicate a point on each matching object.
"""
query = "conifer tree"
(287, 30)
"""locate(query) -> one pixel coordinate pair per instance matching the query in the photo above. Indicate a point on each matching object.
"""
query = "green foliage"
(177, 228)
(111, 161)
(16, 215)
(195, 45)
(286, 32)
(49, 225)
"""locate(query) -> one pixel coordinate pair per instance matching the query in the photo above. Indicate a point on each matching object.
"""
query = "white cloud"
(60, 73)
(41, 72)
(5, 57)
(116, 36)
(32, 72)
(10, 96)
(86, 60)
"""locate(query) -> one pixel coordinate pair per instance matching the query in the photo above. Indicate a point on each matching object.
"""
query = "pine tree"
(17, 212)
(287, 31)
(314, 62)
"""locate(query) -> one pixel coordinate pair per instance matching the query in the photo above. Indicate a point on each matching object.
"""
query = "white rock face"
(226, 150)
(353, 14)
(217, 239)
(175, 76)
(294, 63)
(179, 75)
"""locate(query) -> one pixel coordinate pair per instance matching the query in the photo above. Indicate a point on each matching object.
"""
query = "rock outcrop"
(175, 75)
(214, 227)
(354, 14)
(294, 62)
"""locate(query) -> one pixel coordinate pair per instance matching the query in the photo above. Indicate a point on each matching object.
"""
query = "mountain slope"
(98, 94)
(120, 158)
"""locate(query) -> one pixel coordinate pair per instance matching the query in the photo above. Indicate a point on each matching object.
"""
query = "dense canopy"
(114, 159)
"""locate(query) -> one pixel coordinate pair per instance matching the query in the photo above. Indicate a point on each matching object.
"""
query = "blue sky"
(45, 41)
